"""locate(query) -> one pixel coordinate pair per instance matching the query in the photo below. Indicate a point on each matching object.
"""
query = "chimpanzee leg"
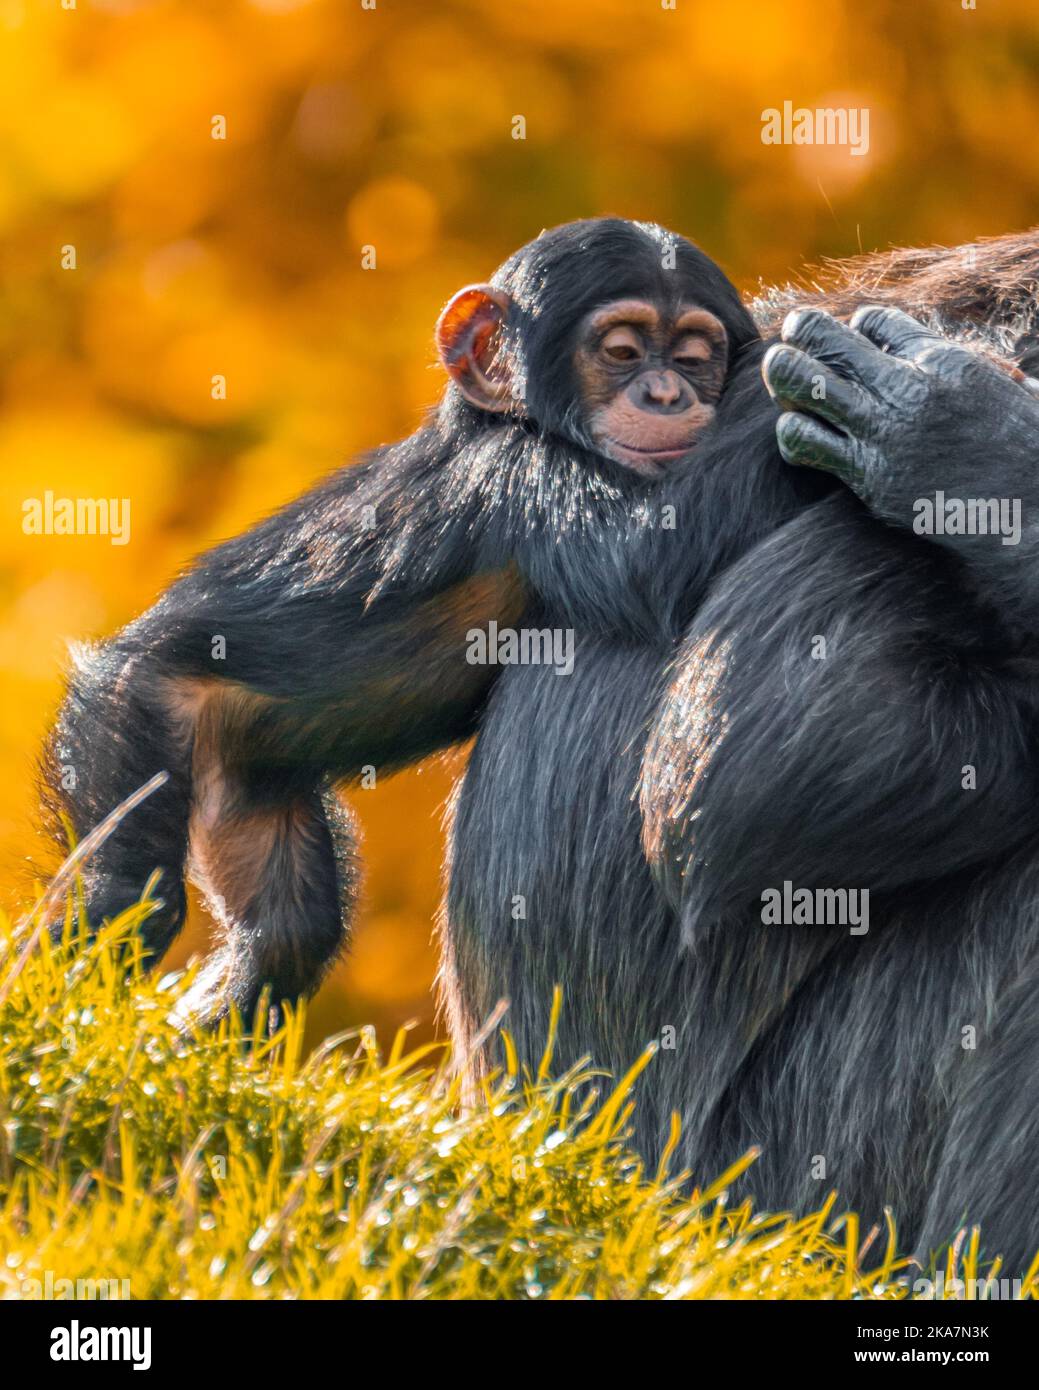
(985, 1172)
(280, 880)
(113, 736)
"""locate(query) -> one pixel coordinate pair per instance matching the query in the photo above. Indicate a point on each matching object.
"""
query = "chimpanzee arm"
(837, 718)
(932, 436)
(328, 639)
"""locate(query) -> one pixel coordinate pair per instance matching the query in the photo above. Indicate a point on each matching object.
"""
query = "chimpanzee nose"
(663, 392)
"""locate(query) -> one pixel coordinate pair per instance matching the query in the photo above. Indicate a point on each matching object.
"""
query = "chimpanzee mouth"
(651, 461)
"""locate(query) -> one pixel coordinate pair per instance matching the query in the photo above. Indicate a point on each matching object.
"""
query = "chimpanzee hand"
(929, 434)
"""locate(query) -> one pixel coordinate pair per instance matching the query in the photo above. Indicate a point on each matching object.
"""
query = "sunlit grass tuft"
(207, 1166)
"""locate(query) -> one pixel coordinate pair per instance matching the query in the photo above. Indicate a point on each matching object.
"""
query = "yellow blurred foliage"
(142, 259)
(395, 214)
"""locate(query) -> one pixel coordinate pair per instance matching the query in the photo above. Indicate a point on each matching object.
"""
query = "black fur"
(616, 826)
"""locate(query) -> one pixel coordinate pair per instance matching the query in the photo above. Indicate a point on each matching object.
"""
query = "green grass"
(207, 1166)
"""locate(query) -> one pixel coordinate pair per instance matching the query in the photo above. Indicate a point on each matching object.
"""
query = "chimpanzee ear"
(468, 341)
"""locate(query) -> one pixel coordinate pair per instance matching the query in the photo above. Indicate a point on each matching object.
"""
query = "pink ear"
(468, 341)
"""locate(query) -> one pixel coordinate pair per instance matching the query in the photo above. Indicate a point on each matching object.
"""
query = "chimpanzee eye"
(622, 345)
(692, 352)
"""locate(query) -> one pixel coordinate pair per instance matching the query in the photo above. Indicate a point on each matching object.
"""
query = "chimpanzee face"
(649, 380)
(647, 375)
(618, 336)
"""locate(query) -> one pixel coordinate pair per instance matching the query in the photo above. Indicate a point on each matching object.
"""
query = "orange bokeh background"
(392, 127)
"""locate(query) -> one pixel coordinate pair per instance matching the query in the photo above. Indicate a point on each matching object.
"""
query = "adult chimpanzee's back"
(698, 677)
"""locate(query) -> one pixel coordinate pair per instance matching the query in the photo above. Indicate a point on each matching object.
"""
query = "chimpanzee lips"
(672, 451)
(651, 461)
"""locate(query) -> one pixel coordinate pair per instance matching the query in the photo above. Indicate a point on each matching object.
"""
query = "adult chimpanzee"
(803, 690)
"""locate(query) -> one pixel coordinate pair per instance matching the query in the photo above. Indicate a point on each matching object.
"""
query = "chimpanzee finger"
(796, 381)
(820, 335)
(898, 332)
(811, 444)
